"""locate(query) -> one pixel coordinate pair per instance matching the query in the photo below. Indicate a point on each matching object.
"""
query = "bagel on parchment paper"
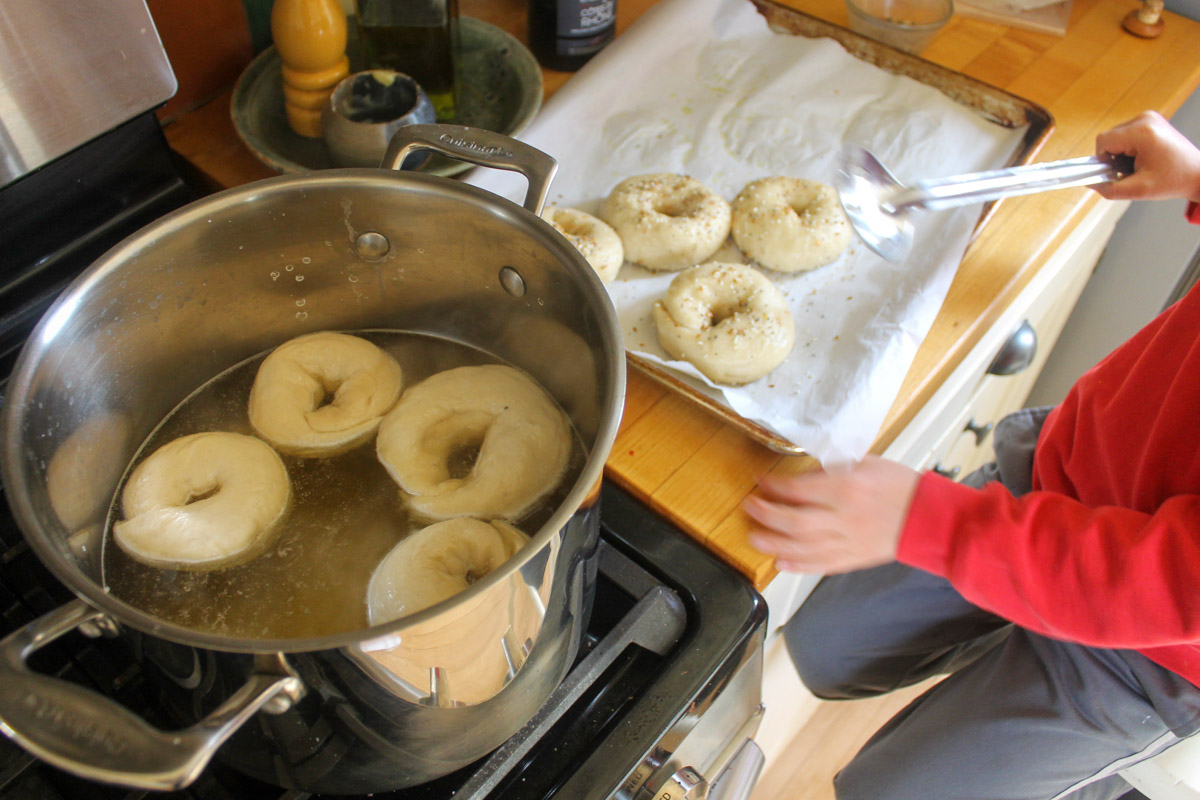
(667, 222)
(790, 224)
(728, 320)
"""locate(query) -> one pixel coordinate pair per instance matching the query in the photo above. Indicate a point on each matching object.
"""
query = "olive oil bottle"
(418, 38)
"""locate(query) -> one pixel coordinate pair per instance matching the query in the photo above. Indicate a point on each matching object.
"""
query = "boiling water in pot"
(346, 514)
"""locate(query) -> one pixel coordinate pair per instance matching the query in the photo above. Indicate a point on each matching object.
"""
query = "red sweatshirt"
(1105, 550)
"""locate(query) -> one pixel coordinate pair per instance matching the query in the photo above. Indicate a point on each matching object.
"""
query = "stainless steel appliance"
(83, 162)
(71, 71)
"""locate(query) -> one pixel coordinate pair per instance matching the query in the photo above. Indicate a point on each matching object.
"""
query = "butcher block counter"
(693, 467)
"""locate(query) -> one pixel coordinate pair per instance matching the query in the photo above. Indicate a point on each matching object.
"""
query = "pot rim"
(586, 486)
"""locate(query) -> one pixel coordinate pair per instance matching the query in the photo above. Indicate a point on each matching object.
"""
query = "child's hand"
(1165, 163)
(836, 521)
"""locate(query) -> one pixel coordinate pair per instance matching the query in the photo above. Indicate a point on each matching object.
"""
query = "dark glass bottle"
(418, 38)
(564, 34)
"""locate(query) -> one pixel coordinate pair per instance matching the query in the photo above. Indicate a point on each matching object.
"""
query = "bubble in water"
(306, 260)
(354, 279)
(300, 302)
(290, 267)
(301, 315)
(299, 278)
(275, 275)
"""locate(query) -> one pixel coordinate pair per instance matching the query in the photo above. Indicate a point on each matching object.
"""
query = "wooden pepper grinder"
(1146, 21)
(310, 36)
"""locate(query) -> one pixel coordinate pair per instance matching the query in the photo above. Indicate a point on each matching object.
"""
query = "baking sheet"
(704, 88)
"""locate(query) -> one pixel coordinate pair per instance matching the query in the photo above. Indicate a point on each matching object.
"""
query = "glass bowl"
(907, 25)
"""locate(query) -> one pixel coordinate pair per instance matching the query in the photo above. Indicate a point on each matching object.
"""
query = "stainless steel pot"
(215, 283)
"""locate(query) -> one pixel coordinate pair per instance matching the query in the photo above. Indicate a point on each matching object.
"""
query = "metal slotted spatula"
(879, 206)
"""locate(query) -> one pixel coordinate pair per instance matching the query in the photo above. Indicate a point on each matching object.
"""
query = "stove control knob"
(686, 784)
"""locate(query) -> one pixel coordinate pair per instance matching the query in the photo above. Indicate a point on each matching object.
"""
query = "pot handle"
(89, 735)
(485, 148)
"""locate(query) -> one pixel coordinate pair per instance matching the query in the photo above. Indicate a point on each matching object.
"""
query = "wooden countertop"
(693, 468)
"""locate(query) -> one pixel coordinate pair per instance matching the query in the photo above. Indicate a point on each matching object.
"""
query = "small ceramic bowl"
(907, 25)
(363, 112)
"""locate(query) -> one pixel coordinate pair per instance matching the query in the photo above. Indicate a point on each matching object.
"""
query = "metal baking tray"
(990, 102)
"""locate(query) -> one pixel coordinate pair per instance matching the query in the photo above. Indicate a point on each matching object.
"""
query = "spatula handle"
(980, 187)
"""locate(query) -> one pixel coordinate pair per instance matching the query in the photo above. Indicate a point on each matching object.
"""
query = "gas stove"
(661, 702)
(663, 698)
(664, 695)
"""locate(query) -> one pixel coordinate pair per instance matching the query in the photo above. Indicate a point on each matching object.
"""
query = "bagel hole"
(575, 227)
(461, 459)
(679, 206)
(722, 312)
(203, 494)
(329, 390)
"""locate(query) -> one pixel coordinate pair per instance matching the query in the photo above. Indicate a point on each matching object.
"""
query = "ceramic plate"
(500, 90)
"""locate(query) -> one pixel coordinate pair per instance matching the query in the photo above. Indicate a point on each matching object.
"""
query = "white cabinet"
(943, 434)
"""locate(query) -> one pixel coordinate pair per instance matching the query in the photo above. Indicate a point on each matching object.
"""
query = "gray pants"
(1019, 716)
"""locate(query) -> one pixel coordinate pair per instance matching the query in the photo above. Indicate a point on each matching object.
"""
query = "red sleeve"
(1107, 577)
(1193, 213)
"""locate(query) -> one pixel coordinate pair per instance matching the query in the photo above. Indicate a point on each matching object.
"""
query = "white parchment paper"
(703, 88)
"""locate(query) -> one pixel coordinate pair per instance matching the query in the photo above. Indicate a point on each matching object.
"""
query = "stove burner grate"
(669, 621)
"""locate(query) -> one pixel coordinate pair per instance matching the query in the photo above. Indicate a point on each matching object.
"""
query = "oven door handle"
(89, 735)
(738, 779)
(735, 782)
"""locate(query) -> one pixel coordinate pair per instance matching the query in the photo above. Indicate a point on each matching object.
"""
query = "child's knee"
(827, 671)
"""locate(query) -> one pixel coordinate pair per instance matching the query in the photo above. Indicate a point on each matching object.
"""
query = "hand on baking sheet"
(1166, 165)
(845, 519)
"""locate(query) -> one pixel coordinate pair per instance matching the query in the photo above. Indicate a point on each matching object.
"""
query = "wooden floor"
(830, 738)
